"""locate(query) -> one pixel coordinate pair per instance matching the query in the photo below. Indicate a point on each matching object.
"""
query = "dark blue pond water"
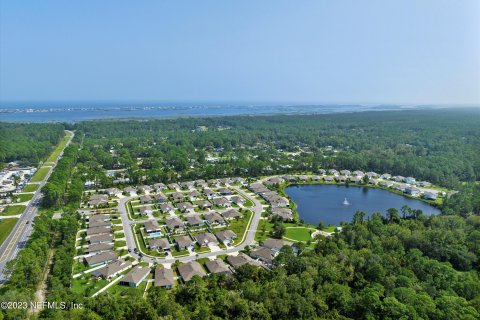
(325, 202)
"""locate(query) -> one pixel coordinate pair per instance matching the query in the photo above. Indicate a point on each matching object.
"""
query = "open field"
(40, 174)
(58, 149)
(30, 188)
(6, 226)
(22, 197)
(12, 210)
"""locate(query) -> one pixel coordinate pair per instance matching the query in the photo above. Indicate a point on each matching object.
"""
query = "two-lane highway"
(21, 232)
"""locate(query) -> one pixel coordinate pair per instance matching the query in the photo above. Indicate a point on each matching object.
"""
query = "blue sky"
(342, 51)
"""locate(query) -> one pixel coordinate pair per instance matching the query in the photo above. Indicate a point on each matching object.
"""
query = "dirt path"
(42, 287)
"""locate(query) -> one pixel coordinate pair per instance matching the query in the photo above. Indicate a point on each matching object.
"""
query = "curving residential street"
(248, 240)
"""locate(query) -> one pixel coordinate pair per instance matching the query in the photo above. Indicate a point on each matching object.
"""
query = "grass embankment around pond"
(6, 226)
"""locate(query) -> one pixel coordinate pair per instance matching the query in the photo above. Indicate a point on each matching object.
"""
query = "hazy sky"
(418, 51)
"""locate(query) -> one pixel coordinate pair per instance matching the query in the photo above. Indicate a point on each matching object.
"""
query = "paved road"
(19, 235)
(249, 238)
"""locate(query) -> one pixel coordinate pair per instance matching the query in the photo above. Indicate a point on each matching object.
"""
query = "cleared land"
(6, 226)
(12, 210)
(22, 197)
(58, 149)
(40, 174)
(30, 188)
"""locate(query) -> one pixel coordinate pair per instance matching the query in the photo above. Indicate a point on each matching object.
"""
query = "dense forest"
(28, 143)
(428, 145)
(383, 267)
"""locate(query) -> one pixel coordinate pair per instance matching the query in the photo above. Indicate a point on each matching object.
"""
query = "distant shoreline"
(84, 113)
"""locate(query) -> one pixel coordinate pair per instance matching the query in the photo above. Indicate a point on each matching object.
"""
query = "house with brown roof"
(194, 220)
(213, 218)
(231, 214)
(190, 269)
(174, 223)
(135, 276)
(276, 244)
(185, 206)
(167, 207)
(218, 266)
(112, 269)
(285, 213)
(101, 238)
(100, 258)
(193, 195)
(98, 247)
(98, 230)
(99, 223)
(159, 243)
(226, 236)
(240, 260)
(237, 199)
(184, 243)
(152, 227)
(204, 204)
(264, 254)
(177, 196)
(164, 278)
(205, 239)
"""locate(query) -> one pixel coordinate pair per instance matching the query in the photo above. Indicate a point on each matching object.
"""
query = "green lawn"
(22, 197)
(240, 226)
(299, 233)
(40, 174)
(56, 152)
(121, 243)
(87, 287)
(120, 290)
(13, 210)
(6, 226)
(119, 235)
(30, 188)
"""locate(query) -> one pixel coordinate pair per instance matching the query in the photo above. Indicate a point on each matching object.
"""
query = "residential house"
(205, 239)
(237, 199)
(231, 214)
(130, 190)
(98, 217)
(194, 220)
(204, 204)
(99, 223)
(145, 199)
(190, 269)
(221, 202)
(135, 276)
(100, 258)
(409, 180)
(112, 269)
(159, 186)
(101, 238)
(358, 173)
(415, 192)
(385, 183)
(430, 196)
(213, 218)
(160, 198)
(226, 236)
(208, 193)
(164, 278)
(167, 207)
(174, 223)
(173, 186)
(113, 192)
(145, 189)
(225, 191)
(184, 243)
(264, 254)
(98, 247)
(218, 266)
(145, 210)
(185, 206)
(328, 179)
(345, 172)
(98, 230)
(386, 176)
(153, 228)
(177, 196)
(159, 243)
(193, 195)
(277, 244)
(285, 213)
(240, 260)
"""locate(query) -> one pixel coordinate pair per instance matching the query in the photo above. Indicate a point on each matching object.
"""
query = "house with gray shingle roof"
(190, 269)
